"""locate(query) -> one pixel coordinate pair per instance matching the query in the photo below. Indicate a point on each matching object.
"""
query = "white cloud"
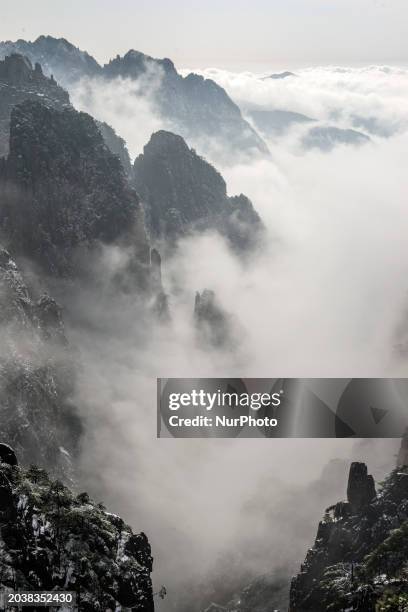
(323, 299)
(324, 93)
(124, 104)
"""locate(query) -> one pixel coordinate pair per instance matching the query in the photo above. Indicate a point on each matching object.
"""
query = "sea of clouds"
(324, 296)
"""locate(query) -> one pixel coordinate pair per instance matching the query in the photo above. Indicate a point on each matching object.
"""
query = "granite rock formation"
(183, 193)
(360, 488)
(402, 458)
(20, 81)
(359, 559)
(53, 539)
(62, 190)
(213, 324)
(37, 415)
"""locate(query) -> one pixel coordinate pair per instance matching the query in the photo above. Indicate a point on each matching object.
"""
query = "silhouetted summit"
(182, 192)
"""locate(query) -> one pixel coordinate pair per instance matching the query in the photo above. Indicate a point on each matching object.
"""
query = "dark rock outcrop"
(361, 487)
(182, 193)
(7, 455)
(212, 322)
(358, 561)
(62, 190)
(20, 81)
(402, 458)
(55, 540)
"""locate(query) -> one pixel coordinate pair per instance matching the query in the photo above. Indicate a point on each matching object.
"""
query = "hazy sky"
(222, 33)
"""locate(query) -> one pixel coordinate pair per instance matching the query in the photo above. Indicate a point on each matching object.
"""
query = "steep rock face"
(37, 416)
(20, 81)
(62, 189)
(402, 458)
(52, 539)
(182, 193)
(359, 559)
(360, 488)
(116, 145)
(197, 108)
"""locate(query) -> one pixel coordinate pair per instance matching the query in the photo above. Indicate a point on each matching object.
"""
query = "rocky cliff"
(62, 190)
(116, 145)
(21, 81)
(54, 539)
(197, 108)
(37, 415)
(214, 326)
(359, 561)
(183, 193)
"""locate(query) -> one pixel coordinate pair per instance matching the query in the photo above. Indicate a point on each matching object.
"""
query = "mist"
(322, 296)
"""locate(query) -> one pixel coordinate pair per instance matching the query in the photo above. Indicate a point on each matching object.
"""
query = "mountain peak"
(182, 192)
(135, 63)
(163, 141)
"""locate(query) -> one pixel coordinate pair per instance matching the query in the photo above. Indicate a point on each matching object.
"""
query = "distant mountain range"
(326, 138)
(197, 108)
(279, 75)
(273, 123)
(276, 123)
